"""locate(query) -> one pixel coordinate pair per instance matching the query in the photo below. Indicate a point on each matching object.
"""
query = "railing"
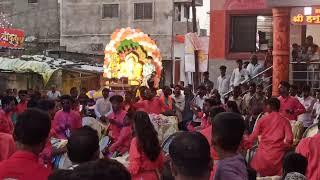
(251, 79)
(306, 73)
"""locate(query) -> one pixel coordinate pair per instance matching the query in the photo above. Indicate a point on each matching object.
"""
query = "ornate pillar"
(281, 47)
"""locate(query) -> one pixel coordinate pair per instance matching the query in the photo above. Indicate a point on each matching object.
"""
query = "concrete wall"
(40, 19)
(82, 24)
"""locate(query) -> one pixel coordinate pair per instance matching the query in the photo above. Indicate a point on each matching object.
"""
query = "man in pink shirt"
(22, 105)
(275, 139)
(8, 106)
(310, 148)
(66, 120)
(151, 104)
(290, 107)
(116, 118)
(30, 133)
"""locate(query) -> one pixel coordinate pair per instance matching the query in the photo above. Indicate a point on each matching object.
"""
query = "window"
(250, 33)
(177, 10)
(187, 12)
(32, 1)
(110, 11)
(143, 11)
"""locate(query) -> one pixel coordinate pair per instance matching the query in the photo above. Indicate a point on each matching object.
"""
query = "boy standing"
(228, 130)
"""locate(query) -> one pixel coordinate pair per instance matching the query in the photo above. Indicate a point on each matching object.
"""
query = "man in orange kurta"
(310, 148)
(275, 138)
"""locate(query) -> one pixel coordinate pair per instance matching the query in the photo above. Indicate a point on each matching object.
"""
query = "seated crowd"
(246, 134)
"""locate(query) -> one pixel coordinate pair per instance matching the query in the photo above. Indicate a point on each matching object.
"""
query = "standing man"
(103, 106)
(22, 105)
(206, 81)
(53, 94)
(179, 101)
(290, 107)
(254, 67)
(8, 106)
(308, 102)
(223, 81)
(238, 75)
(187, 114)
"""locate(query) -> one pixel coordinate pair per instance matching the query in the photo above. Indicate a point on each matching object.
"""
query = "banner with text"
(11, 38)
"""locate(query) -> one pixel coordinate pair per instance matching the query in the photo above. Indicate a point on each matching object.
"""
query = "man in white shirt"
(198, 102)
(254, 67)
(308, 102)
(103, 106)
(179, 101)
(223, 81)
(53, 94)
(316, 109)
(239, 75)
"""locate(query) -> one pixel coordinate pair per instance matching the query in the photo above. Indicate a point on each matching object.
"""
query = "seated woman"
(145, 155)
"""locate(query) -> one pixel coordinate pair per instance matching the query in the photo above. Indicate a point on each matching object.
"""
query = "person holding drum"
(66, 120)
(275, 138)
(310, 148)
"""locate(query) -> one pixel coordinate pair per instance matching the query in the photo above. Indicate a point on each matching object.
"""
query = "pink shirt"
(6, 125)
(207, 132)
(65, 122)
(140, 167)
(122, 144)
(23, 165)
(310, 148)
(291, 103)
(21, 107)
(275, 138)
(153, 106)
(115, 127)
(7, 146)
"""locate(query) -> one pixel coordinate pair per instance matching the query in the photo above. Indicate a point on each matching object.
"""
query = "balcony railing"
(304, 73)
(198, 2)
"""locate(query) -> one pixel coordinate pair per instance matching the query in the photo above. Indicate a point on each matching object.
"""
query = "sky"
(203, 16)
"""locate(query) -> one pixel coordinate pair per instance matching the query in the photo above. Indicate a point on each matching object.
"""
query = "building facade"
(86, 26)
(38, 18)
(239, 28)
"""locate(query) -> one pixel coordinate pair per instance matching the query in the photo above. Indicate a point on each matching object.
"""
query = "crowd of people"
(218, 131)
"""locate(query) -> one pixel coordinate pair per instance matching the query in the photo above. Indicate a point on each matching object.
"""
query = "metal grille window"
(250, 33)
(143, 11)
(187, 12)
(32, 1)
(110, 11)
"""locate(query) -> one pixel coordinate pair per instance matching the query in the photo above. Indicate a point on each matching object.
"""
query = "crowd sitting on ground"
(218, 131)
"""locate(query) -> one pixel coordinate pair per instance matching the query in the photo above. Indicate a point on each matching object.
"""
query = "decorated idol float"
(131, 59)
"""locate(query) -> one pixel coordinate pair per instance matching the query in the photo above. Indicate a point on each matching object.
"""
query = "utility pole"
(195, 30)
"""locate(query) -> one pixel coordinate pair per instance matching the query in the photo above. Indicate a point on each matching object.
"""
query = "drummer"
(116, 118)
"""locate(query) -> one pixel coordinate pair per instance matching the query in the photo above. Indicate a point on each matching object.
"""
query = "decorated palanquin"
(126, 59)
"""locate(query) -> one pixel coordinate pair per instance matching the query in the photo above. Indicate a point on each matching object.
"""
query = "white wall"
(314, 30)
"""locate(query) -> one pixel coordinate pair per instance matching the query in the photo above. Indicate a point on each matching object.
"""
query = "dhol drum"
(311, 131)
(166, 143)
(297, 130)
